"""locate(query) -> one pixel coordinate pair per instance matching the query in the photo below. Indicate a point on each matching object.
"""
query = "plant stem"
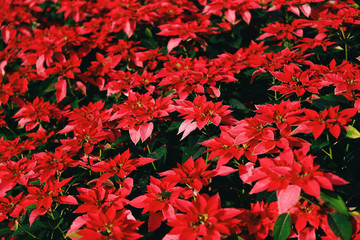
(207, 156)
(346, 51)
(28, 232)
(275, 92)
(70, 87)
(152, 163)
(31, 234)
(330, 149)
(345, 42)
(51, 214)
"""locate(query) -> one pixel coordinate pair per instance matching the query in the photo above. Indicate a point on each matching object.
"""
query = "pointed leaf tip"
(282, 227)
(340, 225)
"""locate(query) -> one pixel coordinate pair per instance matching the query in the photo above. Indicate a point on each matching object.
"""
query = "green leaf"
(26, 228)
(174, 126)
(352, 132)
(75, 103)
(193, 148)
(161, 152)
(50, 88)
(4, 230)
(192, 54)
(334, 201)
(282, 227)
(37, 182)
(236, 43)
(340, 225)
(121, 139)
(319, 144)
(3, 136)
(31, 207)
(74, 235)
(322, 104)
(266, 196)
(249, 72)
(150, 43)
(336, 98)
(148, 33)
(46, 86)
(165, 194)
(234, 103)
(330, 100)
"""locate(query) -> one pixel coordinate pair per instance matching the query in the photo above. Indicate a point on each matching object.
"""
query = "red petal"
(100, 167)
(213, 91)
(335, 131)
(143, 161)
(6, 186)
(294, 10)
(138, 202)
(261, 185)
(191, 127)
(5, 32)
(268, 134)
(129, 28)
(115, 60)
(306, 10)
(288, 197)
(40, 64)
(307, 233)
(230, 16)
(183, 205)
(103, 178)
(67, 200)
(60, 89)
(324, 182)
(245, 171)
(246, 16)
(312, 187)
(172, 237)
(318, 130)
(224, 170)
(35, 213)
(336, 180)
(168, 211)
(77, 223)
(255, 74)
(82, 87)
(134, 135)
(357, 102)
(46, 174)
(184, 125)
(155, 221)
(146, 130)
(264, 147)
(174, 42)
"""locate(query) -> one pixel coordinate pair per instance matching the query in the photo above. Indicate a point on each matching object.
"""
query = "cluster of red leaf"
(80, 86)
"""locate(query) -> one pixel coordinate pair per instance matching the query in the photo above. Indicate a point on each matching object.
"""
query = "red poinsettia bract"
(203, 218)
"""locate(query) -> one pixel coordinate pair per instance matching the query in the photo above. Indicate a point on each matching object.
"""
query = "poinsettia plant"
(179, 120)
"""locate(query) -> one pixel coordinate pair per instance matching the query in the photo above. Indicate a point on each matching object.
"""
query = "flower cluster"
(264, 93)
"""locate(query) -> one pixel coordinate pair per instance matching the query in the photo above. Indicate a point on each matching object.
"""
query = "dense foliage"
(179, 119)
